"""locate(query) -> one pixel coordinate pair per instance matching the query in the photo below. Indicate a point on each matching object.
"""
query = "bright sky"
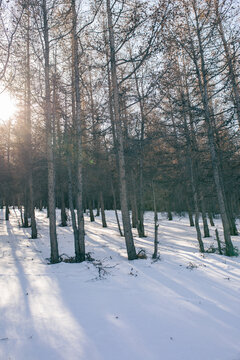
(7, 106)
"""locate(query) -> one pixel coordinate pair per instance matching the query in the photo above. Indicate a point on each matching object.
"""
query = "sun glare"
(7, 107)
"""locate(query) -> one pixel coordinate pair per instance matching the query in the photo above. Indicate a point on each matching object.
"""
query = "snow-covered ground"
(184, 307)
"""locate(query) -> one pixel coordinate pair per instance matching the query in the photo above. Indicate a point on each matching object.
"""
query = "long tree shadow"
(40, 310)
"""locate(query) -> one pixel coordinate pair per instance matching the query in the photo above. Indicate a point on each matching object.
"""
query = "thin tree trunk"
(26, 210)
(7, 212)
(50, 156)
(191, 222)
(98, 209)
(131, 251)
(21, 214)
(140, 227)
(63, 210)
(29, 133)
(195, 198)
(133, 200)
(7, 197)
(70, 200)
(218, 242)
(204, 218)
(170, 215)
(156, 225)
(134, 211)
(193, 177)
(104, 223)
(115, 209)
(91, 210)
(210, 216)
(80, 251)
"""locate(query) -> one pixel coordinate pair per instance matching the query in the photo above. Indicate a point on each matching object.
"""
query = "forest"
(119, 179)
(131, 105)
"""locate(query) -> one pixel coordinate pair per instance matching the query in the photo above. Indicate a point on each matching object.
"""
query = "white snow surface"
(186, 306)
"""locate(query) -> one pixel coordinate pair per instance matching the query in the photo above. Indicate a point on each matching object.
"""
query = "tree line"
(121, 104)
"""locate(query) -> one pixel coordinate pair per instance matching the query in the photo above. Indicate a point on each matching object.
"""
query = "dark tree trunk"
(218, 242)
(7, 212)
(133, 199)
(104, 223)
(80, 250)
(70, 200)
(190, 215)
(210, 215)
(29, 133)
(91, 210)
(98, 209)
(204, 218)
(170, 215)
(26, 210)
(156, 225)
(50, 156)
(63, 210)
(115, 209)
(131, 251)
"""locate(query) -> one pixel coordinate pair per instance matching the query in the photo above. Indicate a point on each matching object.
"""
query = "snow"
(185, 306)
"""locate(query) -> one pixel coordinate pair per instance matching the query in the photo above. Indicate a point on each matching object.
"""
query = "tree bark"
(104, 223)
(204, 218)
(63, 210)
(50, 156)
(156, 225)
(29, 133)
(115, 209)
(91, 210)
(190, 215)
(80, 250)
(70, 200)
(131, 251)
(133, 200)
(211, 219)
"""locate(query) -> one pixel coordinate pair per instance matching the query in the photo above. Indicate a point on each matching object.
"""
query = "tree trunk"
(193, 169)
(98, 209)
(140, 211)
(115, 209)
(170, 216)
(80, 251)
(208, 112)
(50, 156)
(133, 209)
(204, 218)
(63, 210)
(91, 210)
(131, 251)
(104, 223)
(195, 198)
(29, 133)
(191, 222)
(26, 209)
(210, 215)
(156, 225)
(7, 212)
(218, 242)
(133, 200)
(70, 200)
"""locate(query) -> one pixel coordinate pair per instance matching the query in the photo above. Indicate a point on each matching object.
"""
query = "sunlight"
(7, 106)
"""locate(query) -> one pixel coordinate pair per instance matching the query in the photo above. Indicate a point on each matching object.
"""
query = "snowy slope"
(184, 307)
